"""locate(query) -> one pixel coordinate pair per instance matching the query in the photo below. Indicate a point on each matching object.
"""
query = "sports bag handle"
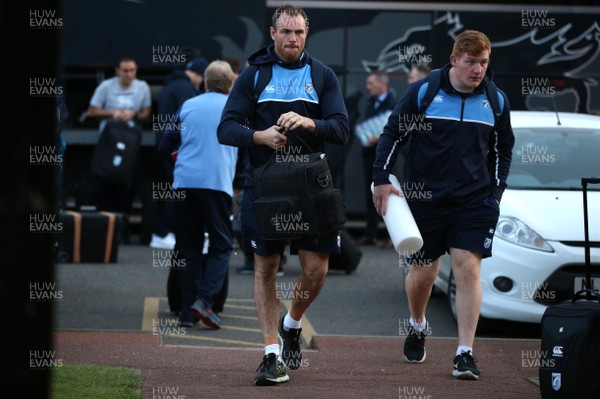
(588, 292)
(270, 161)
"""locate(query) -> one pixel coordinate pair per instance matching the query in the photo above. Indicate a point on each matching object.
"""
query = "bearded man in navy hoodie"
(289, 107)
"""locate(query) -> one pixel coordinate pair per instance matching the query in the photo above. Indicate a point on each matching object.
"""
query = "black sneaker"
(414, 346)
(464, 367)
(206, 314)
(291, 354)
(271, 371)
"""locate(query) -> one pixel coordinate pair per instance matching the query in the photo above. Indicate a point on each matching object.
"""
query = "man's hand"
(381, 194)
(123, 115)
(271, 137)
(292, 121)
(373, 140)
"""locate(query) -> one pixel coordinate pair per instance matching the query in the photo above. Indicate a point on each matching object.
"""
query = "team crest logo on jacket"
(309, 88)
(486, 104)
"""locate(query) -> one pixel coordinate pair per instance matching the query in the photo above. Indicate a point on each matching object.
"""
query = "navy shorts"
(251, 240)
(467, 226)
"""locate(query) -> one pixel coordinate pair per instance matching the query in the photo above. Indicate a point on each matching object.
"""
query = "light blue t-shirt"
(202, 162)
(111, 95)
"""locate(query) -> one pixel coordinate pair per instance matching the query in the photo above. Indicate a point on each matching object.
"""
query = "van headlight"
(513, 230)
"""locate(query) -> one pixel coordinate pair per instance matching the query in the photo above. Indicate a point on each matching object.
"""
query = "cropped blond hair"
(219, 77)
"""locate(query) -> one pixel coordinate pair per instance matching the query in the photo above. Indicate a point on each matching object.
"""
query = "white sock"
(420, 327)
(463, 348)
(288, 322)
(272, 349)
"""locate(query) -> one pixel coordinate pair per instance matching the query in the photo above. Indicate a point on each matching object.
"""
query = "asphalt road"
(131, 296)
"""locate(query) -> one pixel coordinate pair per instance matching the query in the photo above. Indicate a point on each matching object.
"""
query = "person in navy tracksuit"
(456, 173)
(289, 106)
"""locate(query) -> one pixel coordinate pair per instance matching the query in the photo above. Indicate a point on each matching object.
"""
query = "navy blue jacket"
(455, 154)
(290, 89)
(177, 89)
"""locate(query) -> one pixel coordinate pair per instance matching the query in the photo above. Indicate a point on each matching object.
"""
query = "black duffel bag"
(297, 198)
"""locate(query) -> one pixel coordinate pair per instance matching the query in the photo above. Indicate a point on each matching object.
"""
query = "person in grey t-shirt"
(125, 99)
(122, 97)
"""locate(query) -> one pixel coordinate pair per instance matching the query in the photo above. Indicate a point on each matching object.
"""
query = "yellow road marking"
(150, 313)
(244, 307)
(225, 341)
(151, 308)
(237, 316)
(254, 330)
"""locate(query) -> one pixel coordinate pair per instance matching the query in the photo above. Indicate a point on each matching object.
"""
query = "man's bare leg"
(310, 282)
(265, 296)
(466, 267)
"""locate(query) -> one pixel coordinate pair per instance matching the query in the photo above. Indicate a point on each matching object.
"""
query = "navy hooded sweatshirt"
(177, 89)
(455, 153)
(290, 89)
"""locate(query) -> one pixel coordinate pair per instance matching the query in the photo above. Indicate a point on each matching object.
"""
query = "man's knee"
(424, 276)
(265, 267)
(316, 273)
(466, 267)
(314, 265)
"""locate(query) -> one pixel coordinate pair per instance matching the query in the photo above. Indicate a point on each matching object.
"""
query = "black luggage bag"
(89, 237)
(350, 256)
(570, 349)
(115, 156)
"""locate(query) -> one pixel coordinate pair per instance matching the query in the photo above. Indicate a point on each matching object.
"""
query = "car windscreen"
(554, 158)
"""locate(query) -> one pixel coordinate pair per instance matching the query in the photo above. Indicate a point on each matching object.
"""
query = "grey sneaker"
(271, 371)
(206, 314)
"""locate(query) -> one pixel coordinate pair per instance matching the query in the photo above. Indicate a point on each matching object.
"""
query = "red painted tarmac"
(338, 367)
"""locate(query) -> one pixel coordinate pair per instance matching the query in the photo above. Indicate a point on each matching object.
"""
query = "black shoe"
(464, 367)
(271, 371)
(414, 346)
(291, 355)
(206, 314)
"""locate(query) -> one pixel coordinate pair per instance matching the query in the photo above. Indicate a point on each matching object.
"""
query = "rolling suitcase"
(349, 257)
(89, 237)
(570, 348)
